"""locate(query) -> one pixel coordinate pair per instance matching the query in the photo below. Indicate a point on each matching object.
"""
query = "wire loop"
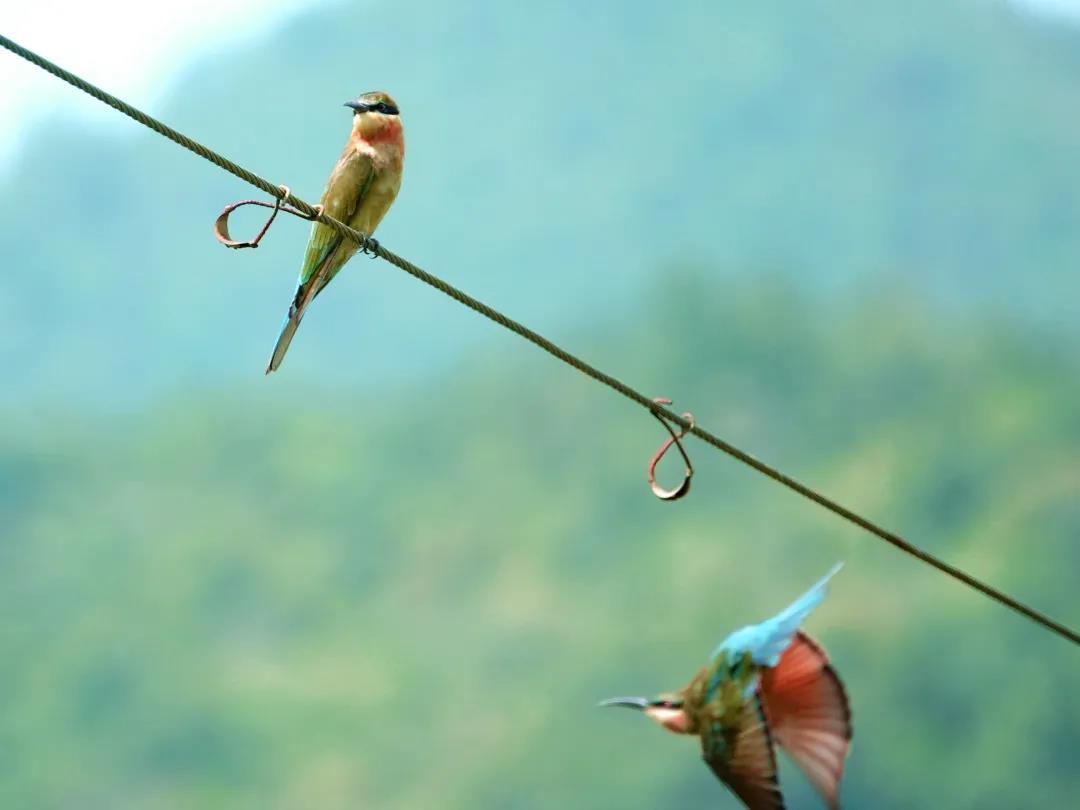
(221, 224)
(676, 439)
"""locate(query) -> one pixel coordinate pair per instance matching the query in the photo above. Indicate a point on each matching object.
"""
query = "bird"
(362, 187)
(765, 683)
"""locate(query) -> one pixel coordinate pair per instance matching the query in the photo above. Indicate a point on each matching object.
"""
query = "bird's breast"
(385, 157)
(382, 191)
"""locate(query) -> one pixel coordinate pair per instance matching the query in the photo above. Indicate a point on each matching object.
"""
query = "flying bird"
(360, 191)
(765, 683)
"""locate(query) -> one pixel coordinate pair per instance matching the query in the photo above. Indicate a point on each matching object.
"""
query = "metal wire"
(535, 338)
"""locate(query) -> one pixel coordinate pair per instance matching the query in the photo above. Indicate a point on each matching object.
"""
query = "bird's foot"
(370, 247)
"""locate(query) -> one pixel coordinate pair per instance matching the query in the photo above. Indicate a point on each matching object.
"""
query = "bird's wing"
(808, 713)
(345, 189)
(744, 760)
(327, 251)
(767, 641)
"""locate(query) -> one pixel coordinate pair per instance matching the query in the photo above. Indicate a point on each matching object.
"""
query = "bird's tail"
(808, 714)
(292, 323)
(774, 635)
(284, 339)
(790, 619)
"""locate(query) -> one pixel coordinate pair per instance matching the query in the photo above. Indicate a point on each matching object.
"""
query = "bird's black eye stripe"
(387, 109)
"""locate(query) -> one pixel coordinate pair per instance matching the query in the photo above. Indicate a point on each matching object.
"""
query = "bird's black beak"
(359, 106)
(638, 703)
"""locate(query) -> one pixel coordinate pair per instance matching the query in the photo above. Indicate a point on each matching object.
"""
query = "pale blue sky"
(133, 48)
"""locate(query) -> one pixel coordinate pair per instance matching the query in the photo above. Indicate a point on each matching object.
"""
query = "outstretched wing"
(808, 713)
(743, 757)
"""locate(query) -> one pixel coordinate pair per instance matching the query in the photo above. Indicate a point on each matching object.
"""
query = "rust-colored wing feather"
(808, 714)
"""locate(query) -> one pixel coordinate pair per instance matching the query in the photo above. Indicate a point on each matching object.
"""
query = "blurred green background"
(400, 572)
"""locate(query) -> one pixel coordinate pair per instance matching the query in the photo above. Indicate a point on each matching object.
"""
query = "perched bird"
(361, 189)
(765, 682)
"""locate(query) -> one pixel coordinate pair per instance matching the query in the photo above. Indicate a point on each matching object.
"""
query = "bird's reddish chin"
(674, 720)
(386, 130)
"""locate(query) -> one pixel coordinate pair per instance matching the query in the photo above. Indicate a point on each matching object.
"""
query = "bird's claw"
(370, 247)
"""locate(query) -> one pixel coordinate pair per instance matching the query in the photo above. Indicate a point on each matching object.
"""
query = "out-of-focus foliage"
(414, 601)
(557, 153)
(400, 572)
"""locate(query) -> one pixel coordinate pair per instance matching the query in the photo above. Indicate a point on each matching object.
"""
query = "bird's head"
(375, 102)
(374, 113)
(665, 709)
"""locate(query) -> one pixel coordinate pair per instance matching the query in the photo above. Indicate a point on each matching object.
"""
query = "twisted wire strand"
(372, 246)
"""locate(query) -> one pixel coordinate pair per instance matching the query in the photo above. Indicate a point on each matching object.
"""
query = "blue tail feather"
(767, 641)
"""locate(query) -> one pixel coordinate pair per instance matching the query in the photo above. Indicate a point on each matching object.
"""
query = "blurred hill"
(415, 602)
(400, 573)
(557, 155)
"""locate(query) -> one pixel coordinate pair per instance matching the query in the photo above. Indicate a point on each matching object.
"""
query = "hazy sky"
(1067, 7)
(129, 47)
(132, 48)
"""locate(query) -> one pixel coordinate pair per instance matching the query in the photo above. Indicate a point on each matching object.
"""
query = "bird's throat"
(674, 720)
(378, 129)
